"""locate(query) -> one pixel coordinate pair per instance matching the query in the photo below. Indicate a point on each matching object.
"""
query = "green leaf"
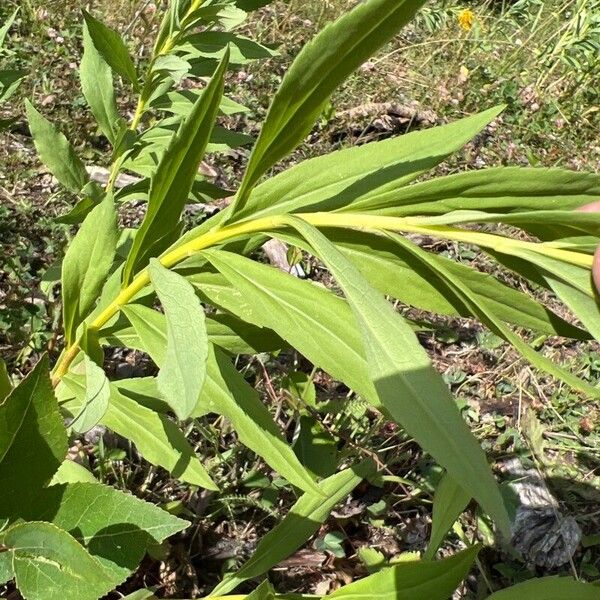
(213, 44)
(7, 25)
(149, 333)
(482, 309)
(227, 393)
(500, 189)
(55, 152)
(156, 437)
(86, 265)
(33, 439)
(97, 86)
(407, 384)
(449, 501)
(320, 67)
(5, 382)
(291, 307)
(6, 569)
(72, 472)
(112, 49)
(393, 271)
(9, 82)
(115, 527)
(49, 564)
(264, 591)
(412, 580)
(357, 177)
(299, 525)
(97, 395)
(315, 447)
(172, 182)
(549, 588)
(181, 377)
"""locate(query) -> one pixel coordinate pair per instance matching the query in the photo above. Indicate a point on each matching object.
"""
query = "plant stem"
(365, 222)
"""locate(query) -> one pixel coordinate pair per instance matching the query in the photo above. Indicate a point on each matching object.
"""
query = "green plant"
(9, 78)
(349, 209)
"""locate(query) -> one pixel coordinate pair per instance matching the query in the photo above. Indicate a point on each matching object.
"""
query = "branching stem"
(364, 222)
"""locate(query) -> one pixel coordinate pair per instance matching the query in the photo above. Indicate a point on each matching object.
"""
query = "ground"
(534, 57)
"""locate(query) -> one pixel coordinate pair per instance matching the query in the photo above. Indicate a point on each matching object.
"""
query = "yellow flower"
(466, 19)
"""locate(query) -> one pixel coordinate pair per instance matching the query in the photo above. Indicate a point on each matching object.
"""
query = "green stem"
(363, 222)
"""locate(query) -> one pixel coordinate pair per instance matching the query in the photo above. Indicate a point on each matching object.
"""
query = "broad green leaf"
(181, 103)
(6, 26)
(97, 395)
(72, 472)
(33, 439)
(172, 182)
(144, 391)
(358, 176)
(291, 307)
(412, 580)
(97, 86)
(482, 310)
(112, 48)
(549, 588)
(449, 501)
(500, 189)
(115, 527)
(55, 152)
(6, 569)
(157, 438)
(321, 66)
(227, 393)
(184, 368)
(5, 382)
(298, 526)
(406, 382)
(86, 265)
(49, 564)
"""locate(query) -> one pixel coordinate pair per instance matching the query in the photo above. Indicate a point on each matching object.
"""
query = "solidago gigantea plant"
(350, 209)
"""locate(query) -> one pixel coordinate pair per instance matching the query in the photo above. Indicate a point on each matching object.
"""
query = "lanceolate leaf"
(407, 384)
(157, 438)
(33, 440)
(115, 527)
(87, 263)
(549, 588)
(412, 580)
(55, 152)
(49, 564)
(97, 86)
(172, 182)
(358, 176)
(301, 522)
(182, 375)
(501, 189)
(112, 48)
(449, 501)
(291, 307)
(6, 26)
(393, 271)
(227, 393)
(482, 309)
(319, 68)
